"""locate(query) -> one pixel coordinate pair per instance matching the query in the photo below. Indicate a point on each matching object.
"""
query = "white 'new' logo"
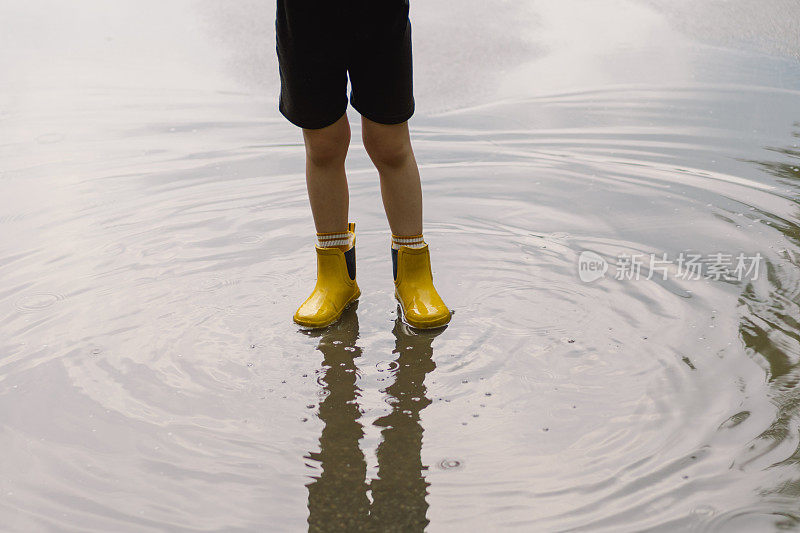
(591, 266)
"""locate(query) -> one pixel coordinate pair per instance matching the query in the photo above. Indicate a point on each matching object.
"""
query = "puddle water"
(156, 239)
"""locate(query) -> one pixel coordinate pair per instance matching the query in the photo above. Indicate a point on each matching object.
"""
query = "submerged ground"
(155, 239)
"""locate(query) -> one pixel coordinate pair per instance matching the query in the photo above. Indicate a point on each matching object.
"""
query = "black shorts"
(320, 42)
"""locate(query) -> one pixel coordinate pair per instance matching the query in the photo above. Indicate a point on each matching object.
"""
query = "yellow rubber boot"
(336, 287)
(413, 287)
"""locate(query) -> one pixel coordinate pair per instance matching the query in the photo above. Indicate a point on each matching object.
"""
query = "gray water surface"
(156, 239)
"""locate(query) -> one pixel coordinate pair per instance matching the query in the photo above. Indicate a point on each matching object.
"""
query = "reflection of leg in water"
(337, 499)
(399, 492)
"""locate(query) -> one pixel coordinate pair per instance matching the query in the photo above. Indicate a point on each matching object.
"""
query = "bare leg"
(389, 147)
(326, 149)
(336, 287)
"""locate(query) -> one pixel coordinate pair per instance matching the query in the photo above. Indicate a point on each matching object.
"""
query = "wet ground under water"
(155, 239)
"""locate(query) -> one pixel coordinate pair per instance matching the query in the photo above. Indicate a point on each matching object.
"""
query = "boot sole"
(336, 318)
(420, 325)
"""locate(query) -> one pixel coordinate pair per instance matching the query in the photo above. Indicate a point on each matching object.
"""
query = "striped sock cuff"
(343, 239)
(411, 241)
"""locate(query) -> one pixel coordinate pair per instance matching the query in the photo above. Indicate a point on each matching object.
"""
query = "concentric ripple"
(158, 238)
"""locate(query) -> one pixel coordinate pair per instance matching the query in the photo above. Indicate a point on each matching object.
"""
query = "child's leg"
(389, 147)
(336, 285)
(326, 149)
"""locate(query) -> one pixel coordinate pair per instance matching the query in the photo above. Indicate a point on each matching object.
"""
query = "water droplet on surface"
(114, 249)
(251, 239)
(449, 464)
(384, 366)
(38, 301)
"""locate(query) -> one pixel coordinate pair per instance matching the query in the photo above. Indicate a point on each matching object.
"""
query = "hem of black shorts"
(310, 124)
(386, 119)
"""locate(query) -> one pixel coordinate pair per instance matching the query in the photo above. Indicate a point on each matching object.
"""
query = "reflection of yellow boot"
(336, 287)
(413, 281)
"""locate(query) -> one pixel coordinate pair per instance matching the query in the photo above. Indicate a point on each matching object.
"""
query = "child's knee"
(329, 148)
(387, 151)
